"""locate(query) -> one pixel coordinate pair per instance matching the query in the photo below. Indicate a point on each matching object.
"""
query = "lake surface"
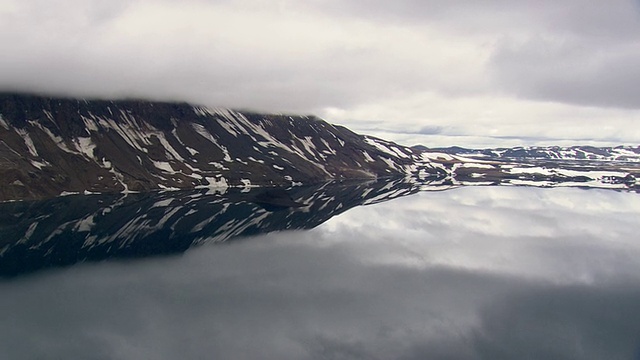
(463, 273)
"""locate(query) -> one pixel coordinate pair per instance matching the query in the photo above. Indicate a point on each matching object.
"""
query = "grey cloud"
(430, 130)
(361, 58)
(425, 130)
(70, 50)
(408, 10)
(575, 52)
(615, 20)
(574, 72)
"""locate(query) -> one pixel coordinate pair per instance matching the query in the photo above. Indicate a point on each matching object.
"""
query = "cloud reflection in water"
(470, 273)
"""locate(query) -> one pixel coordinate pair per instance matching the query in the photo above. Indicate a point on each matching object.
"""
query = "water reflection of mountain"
(72, 229)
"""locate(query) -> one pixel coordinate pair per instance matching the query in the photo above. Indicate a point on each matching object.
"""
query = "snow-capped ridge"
(54, 146)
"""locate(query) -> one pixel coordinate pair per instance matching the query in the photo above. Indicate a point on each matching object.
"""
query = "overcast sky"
(467, 72)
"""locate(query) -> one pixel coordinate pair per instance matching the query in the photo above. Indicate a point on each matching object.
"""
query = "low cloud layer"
(482, 70)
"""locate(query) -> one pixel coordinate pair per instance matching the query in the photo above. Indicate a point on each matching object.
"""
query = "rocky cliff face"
(53, 146)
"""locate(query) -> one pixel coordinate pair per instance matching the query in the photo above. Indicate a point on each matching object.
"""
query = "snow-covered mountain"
(56, 146)
(53, 146)
(582, 166)
(588, 153)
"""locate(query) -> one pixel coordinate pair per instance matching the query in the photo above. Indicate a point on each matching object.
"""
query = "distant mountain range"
(585, 166)
(592, 153)
(59, 146)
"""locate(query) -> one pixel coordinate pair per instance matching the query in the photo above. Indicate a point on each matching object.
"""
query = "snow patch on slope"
(86, 146)
(202, 131)
(28, 142)
(3, 123)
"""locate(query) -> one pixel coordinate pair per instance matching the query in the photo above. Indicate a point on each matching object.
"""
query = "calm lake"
(309, 273)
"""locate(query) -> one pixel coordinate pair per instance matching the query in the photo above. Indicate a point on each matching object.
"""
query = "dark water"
(466, 273)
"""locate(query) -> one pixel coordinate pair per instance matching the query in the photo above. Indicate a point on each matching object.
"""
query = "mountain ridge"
(53, 146)
(620, 153)
(58, 146)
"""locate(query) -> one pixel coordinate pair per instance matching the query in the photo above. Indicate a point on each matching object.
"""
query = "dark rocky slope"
(53, 146)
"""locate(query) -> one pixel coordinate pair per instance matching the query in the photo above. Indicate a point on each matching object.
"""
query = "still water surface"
(467, 273)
